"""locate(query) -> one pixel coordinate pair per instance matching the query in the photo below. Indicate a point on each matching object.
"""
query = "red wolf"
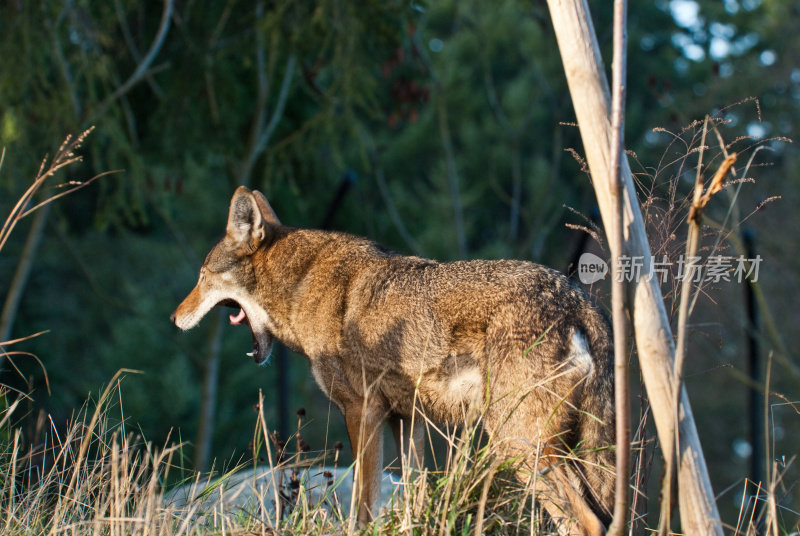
(512, 342)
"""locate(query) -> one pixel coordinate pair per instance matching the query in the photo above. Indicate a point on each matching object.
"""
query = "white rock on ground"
(251, 490)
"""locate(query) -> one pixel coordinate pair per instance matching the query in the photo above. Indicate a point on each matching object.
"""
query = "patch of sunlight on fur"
(465, 387)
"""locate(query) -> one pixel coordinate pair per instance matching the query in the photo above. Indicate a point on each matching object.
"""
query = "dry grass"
(98, 478)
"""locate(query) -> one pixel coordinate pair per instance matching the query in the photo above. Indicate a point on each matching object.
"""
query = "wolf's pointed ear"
(266, 210)
(246, 224)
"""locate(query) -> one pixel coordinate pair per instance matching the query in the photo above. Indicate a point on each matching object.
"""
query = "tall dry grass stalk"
(64, 157)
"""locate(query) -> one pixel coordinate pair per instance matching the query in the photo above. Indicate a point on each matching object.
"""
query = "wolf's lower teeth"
(250, 354)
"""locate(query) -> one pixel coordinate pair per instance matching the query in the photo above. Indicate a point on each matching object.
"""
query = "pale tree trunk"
(208, 394)
(590, 96)
(24, 266)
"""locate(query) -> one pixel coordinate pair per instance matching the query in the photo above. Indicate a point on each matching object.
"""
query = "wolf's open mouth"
(241, 318)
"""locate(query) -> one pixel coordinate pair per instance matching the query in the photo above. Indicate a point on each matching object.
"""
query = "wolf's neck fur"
(302, 267)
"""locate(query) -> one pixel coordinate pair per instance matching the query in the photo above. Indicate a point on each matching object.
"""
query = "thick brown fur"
(513, 342)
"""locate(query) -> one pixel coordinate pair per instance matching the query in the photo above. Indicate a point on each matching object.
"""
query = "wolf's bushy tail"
(597, 421)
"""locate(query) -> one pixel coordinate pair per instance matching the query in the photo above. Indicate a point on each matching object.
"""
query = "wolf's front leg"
(365, 428)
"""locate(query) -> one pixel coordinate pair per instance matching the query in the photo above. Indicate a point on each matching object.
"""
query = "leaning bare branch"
(283, 95)
(135, 53)
(143, 67)
(262, 136)
(383, 189)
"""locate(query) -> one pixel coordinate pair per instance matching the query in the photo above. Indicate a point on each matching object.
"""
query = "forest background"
(443, 129)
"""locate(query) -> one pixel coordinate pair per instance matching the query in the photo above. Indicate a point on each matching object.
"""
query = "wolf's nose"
(172, 317)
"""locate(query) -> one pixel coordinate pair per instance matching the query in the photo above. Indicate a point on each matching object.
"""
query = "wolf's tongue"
(241, 318)
(238, 319)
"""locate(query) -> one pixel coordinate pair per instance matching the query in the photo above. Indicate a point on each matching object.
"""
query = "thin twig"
(74, 186)
(262, 136)
(63, 157)
(447, 146)
(671, 448)
(383, 189)
(137, 56)
(621, 374)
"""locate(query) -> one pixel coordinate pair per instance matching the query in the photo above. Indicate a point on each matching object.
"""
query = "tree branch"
(137, 56)
(452, 174)
(261, 137)
(143, 66)
(618, 298)
(394, 215)
(15, 289)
